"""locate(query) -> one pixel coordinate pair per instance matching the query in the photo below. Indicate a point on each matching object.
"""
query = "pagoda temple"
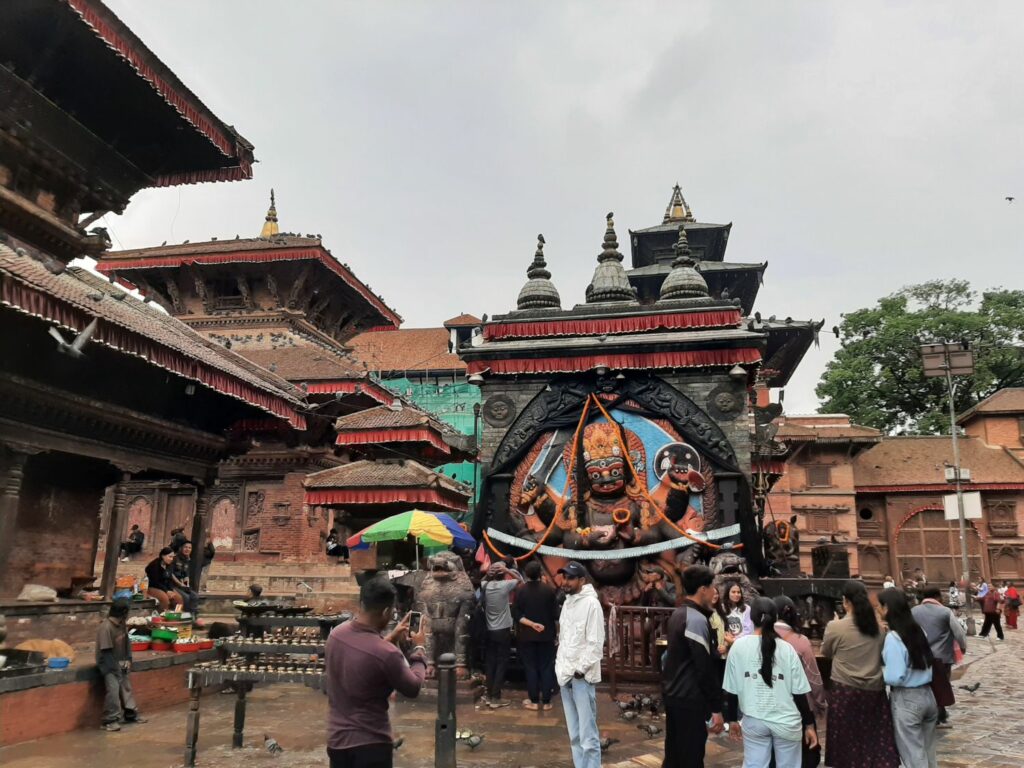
(617, 431)
(285, 303)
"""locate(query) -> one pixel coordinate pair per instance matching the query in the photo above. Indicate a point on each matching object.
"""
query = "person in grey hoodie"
(942, 630)
(578, 663)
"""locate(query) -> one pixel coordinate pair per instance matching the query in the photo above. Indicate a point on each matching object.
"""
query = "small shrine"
(617, 432)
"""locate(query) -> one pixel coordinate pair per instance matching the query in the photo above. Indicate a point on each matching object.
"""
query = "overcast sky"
(857, 147)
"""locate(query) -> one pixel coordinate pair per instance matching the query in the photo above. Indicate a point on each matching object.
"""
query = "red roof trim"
(939, 488)
(29, 300)
(641, 361)
(727, 318)
(394, 435)
(182, 103)
(386, 496)
(770, 467)
(363, 386)
(107, 266)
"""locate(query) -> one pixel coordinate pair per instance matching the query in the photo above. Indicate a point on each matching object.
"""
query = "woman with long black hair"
(907, 659)
(765, 678)
(859, 717)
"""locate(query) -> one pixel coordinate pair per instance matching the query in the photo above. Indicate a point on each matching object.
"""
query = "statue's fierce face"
(604, 459)
(607, 476)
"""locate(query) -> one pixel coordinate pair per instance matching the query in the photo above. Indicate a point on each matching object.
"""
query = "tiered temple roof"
(400, 427)
(683, 285)
(386, 484)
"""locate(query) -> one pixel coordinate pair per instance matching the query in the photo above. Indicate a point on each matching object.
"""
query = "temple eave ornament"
(684, 281)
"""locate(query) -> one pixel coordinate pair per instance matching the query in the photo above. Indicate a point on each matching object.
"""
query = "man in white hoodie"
(578, 663)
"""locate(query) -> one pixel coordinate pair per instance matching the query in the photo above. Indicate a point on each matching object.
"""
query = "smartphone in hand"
(415, 619)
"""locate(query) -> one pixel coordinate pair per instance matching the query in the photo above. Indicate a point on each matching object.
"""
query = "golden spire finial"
(270, 223)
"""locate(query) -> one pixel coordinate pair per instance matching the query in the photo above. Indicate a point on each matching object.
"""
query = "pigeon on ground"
(650, 729)
(629, 714)
(970, 688)
(397, 743)
(607, 742)
(475, 740)
(270, 744)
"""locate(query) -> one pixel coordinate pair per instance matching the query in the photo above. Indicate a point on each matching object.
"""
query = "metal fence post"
(444, 729)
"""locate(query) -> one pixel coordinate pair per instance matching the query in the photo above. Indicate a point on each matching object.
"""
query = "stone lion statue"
(445, 598)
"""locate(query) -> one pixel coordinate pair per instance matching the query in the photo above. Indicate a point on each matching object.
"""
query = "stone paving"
(988, 730)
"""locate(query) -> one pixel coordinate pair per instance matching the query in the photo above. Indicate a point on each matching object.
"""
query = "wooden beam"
(115, 535)
(11, 475)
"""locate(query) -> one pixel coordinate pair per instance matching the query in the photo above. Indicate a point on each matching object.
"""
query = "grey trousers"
(118, 687)
(914, 717)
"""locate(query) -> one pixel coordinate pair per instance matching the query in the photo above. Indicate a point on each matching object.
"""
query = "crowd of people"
(747, 668)
(734, 662)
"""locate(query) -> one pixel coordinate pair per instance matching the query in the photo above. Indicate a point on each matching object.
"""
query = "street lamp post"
(950, 359)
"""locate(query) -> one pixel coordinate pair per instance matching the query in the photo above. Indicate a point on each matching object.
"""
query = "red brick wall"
(48, 710)
(58, 523)
(285, 528)
(1003, 431)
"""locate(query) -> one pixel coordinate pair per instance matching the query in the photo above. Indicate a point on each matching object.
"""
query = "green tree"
(876, 376)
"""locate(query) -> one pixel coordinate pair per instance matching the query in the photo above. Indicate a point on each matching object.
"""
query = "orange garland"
(561, 503)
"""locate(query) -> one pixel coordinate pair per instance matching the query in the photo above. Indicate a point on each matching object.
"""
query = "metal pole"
(964, 560)
(444, 729)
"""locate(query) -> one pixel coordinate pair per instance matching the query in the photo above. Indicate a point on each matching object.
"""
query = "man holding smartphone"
(363, 668)
(578, 663)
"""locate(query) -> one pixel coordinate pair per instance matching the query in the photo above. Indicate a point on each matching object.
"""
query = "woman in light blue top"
(907, 669)
(765, 678)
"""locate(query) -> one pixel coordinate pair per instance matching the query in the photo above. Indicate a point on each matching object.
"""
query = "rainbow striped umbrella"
(432, 529)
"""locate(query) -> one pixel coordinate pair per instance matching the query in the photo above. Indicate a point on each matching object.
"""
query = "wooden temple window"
(820, 520)
(1002, 518)
(227, 294)
(818, 476)
(868, 522)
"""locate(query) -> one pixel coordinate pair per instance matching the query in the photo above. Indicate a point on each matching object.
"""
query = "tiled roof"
(88, 295)
(463, 321)
(285, 247)
(305, 363)
(1008, 400)
(406, 349)
(217, 246)
(385, 417)
(923, 460)
(384, 474)
(791, 431)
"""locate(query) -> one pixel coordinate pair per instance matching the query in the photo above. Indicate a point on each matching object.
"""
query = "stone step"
(277, 583)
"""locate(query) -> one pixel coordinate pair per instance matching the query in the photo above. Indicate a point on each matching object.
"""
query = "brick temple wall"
(58, 522)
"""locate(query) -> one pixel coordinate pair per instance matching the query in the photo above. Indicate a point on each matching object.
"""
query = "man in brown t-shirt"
(363, 669)
(114, 661)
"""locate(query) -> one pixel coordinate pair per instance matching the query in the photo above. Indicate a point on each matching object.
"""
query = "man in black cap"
(578, 663)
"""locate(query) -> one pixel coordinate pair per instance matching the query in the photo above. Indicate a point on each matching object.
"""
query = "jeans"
(365, 756)
(914, 717)
(686, 735)
(539, 666)
(119, 688)
(991, 620)
(190, 600)
(759, 743)
(579, 699)
(499, 644)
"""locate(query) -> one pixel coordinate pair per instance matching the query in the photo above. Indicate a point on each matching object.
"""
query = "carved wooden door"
(929, 542)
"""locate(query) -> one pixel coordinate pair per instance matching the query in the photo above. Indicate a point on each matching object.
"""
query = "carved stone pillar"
(114, 537)
(12, 471)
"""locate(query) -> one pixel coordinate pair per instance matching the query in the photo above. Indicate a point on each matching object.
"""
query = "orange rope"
(643, 488)
(561, 504)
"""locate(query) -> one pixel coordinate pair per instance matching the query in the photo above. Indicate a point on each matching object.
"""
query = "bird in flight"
(1010, 198)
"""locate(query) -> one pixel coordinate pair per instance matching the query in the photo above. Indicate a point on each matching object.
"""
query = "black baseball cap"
(573, 570)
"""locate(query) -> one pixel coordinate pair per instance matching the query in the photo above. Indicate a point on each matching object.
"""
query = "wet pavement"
(988, 730)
